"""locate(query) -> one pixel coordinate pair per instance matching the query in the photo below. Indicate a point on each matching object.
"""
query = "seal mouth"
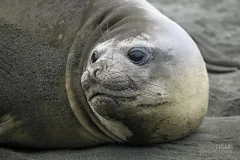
(97, 94)
(123, 95)
(109, 96)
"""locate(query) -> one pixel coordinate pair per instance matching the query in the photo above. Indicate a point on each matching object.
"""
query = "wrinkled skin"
(142, 98)
(55, 96)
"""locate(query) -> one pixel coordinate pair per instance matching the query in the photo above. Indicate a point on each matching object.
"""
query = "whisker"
(101, 31)
(102, 34)
(107, 26)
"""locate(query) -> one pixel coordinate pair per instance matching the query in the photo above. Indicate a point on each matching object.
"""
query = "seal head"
(145, 79)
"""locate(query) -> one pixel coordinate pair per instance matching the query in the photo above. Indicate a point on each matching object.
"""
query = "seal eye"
(95, 56)
(137, 55)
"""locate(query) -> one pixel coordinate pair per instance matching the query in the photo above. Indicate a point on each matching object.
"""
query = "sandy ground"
(219, 22)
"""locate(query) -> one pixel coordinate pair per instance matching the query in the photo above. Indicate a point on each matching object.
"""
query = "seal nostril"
(95, 71)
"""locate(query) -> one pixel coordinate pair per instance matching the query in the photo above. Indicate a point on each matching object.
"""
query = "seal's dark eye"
(136, 55)
(95, 56)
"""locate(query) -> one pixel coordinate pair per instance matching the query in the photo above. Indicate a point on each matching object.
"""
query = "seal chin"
(102, 100)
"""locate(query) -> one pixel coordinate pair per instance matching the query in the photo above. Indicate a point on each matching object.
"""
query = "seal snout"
(95, 69)
(89, 77)
(103, 82)
(98, 74)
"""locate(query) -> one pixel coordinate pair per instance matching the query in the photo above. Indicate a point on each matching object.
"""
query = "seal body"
(81, 73)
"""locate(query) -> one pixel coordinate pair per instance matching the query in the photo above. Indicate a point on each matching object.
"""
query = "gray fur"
(45, 47)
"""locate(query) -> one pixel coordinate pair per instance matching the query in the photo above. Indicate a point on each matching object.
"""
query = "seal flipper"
(216, 62)
(7, 123)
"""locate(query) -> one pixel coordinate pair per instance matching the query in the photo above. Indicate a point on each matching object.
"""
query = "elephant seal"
(79, 73)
